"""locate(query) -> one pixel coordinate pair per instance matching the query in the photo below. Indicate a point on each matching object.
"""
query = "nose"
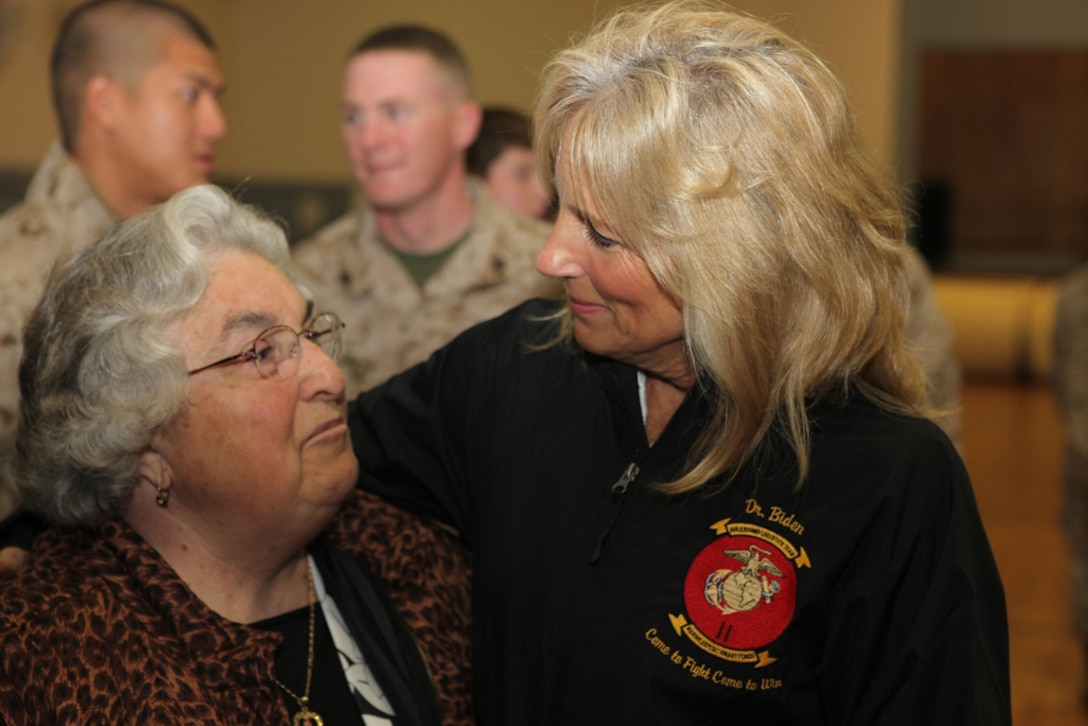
(559, 257)
(321, 375)
(213, 122)
(370, 133)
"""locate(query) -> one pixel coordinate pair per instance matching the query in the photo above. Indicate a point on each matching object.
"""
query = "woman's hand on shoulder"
(11, 559)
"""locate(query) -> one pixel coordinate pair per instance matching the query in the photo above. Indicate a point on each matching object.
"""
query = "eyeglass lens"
(277, 350)
(325, 331)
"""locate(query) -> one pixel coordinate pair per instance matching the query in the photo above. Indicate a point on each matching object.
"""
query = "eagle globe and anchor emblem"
(740, 592)
(734, 591)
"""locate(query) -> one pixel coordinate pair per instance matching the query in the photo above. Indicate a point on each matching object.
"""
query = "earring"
(162, 496)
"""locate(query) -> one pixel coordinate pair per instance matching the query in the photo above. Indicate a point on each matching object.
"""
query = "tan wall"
(283, 60)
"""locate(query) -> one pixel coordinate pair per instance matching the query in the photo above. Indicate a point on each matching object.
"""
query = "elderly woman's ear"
(153, 469)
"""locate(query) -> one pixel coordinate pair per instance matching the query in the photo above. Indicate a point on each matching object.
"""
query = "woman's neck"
(663, 398)
(242, 586)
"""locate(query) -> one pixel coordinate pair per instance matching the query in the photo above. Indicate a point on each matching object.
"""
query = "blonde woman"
(703, 489)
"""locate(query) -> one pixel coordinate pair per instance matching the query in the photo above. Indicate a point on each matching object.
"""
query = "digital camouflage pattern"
(59, 215)
(391, 323)
(1071, 388)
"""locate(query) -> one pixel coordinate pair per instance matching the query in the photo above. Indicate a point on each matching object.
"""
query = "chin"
(333, 482)
(346, 479)
(594, 346)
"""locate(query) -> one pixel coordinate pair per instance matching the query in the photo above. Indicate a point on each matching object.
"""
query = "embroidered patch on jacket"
(740, 592)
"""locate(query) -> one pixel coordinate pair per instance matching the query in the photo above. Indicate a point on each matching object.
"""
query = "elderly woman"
(703, 488)
(183, 426)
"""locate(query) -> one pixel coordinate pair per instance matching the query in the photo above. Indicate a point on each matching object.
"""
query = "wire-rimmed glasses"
(276, 351)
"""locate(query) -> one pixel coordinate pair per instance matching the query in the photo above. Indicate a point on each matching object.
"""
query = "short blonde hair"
(725, 153)
(421, 39)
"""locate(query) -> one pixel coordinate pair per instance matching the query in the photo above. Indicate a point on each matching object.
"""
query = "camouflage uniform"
(930, 339)
(390, 322)
(60, 214)
(1071, 389)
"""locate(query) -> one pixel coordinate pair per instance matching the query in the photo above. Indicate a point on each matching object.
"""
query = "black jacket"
(867, 596)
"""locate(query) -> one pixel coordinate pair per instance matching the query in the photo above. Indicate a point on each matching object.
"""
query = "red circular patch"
(740, 592)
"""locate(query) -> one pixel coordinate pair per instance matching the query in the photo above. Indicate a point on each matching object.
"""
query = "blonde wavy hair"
(726, 154)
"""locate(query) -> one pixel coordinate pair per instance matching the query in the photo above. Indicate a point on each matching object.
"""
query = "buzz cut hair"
(117, 38)
(425, 40)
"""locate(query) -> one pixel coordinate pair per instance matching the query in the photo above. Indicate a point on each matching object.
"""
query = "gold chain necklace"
(306, 717)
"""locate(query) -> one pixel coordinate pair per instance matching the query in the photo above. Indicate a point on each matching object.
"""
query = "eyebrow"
(239, 321)
(263, 321)
(206, 82)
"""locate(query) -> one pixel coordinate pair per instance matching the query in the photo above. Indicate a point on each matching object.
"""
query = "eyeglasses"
(276, 351)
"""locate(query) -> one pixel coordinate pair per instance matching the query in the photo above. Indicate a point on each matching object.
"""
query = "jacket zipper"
(619, 489)
(628, 476)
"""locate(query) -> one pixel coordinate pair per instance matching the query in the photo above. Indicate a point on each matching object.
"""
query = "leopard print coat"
(98, 629)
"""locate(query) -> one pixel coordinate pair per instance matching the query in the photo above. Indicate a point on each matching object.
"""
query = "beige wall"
(26, 123)
(283, 60)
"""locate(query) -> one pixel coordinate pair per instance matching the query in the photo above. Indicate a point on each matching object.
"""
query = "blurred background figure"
(502, 155)
(429, 254)
(930, 339)
(1071, 389)
(136, 88)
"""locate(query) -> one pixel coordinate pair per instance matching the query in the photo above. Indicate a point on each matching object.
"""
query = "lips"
(376, 170)
(333, 424)
(206, 162)
(582, 307)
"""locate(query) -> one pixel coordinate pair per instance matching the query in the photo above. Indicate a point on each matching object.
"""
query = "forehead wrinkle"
(245, 320)
(257, 321)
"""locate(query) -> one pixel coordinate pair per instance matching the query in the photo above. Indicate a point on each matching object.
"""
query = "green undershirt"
(423, 267)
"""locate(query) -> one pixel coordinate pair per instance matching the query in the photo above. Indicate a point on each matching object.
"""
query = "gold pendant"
(306, 717)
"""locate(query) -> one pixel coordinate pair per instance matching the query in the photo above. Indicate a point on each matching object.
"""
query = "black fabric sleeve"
(421, 438)
(20, 529)
(920, 631)
(408, 444)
